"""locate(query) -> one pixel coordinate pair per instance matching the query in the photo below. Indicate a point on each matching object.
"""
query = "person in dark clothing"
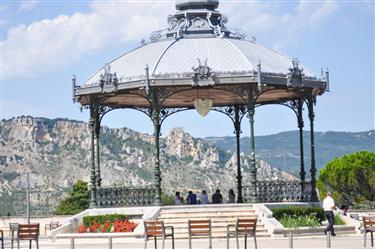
(191, 198)
(217, 198)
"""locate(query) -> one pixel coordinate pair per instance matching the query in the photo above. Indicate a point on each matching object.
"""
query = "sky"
(43, 43)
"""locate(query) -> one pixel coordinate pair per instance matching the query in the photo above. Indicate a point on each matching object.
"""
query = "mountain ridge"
(56, 153)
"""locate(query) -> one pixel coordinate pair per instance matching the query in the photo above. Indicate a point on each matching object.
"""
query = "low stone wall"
(5, 220)
(69, 228)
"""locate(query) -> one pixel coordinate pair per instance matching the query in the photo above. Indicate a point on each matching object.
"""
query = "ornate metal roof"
(197, 32)
(197, 55)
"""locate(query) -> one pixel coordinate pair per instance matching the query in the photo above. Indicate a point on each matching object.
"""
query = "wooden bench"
(198, 228)
(156, 229)
(246, 227)
(28, 232)
(369, 227)
(2, 239)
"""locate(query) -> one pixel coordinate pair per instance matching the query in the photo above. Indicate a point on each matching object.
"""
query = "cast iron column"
(97, 136)
(314, 194)
(156, 121)
(300, 126)
(253, 169)
(92, 172)
(237, 130)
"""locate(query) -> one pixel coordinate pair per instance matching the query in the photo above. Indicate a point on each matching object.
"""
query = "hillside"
(56, 154)
(282, 150)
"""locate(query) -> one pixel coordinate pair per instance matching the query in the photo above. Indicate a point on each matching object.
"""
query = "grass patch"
(299, 221)
(339, 220)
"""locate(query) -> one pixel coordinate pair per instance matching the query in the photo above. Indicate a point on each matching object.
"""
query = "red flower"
(82, 229)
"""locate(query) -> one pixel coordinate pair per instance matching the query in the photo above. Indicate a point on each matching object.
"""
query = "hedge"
(278, 213)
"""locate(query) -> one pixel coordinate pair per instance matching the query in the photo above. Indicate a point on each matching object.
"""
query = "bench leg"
(255, 241)
(172, 240)
(30, 244)
(163, 243)
(18, 243)
(245, 241)
(145, 242)
(37, 244)
(189, 240)
(227, 241)
(155, 243)
(364, 240)
(238, 246)
(210, 241)
(372, 239)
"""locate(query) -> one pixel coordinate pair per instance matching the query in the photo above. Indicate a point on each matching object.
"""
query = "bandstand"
(197, 62)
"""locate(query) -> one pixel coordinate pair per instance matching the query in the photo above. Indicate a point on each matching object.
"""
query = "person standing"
(217, 198)
(203, 197)
(231, 196)
(191, 198)
(329, 206)
(178, 199)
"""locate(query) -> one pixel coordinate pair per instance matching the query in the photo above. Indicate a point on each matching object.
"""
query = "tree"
(351, 178)
(76, 202)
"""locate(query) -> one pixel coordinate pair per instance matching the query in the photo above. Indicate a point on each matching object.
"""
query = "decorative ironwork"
(108, 81)
(123, 196)
(203, 76)
(278, 191)
(166, 112)
(295, 77)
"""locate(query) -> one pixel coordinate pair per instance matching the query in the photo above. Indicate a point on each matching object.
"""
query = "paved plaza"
(345, 241)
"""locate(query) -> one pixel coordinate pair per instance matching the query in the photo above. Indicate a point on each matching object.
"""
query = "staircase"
(220, 215)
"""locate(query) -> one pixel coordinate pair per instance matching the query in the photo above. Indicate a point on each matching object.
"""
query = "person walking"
(329, 206)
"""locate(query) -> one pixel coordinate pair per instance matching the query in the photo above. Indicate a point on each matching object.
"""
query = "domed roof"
(197, 35)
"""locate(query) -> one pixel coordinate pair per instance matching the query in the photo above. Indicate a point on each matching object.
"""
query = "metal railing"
(122, 197)
(279, 191)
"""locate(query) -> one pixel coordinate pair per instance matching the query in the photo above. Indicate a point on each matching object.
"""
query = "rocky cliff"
(56, 153)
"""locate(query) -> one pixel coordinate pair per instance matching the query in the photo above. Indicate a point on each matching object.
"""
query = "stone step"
(220, 223)
(208, 213)
(222, 235)
(211, 216)
(213, 226)
(206, 208)
(220, 215)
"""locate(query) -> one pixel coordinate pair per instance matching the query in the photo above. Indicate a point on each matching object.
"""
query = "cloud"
(27, 5)
(45, 45)
(281, 24)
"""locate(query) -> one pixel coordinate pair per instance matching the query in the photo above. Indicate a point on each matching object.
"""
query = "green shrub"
(293, 211)
(339, 220)
(76, 202)
(100, 219)
(299, 221)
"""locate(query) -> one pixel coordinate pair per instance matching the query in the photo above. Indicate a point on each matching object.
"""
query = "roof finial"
(197, 4)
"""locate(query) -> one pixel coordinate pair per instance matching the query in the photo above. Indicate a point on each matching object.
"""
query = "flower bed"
(116, 223)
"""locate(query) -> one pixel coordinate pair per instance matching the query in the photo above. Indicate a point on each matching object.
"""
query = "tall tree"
(76, 202)
(351, 178)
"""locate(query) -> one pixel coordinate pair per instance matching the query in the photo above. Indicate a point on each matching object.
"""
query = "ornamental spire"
(182, 5)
